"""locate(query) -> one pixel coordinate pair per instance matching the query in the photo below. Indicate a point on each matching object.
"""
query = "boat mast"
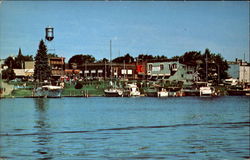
(206, 67)
(111, 60)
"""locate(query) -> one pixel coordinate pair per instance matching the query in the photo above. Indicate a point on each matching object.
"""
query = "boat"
(113, 92)
(151, 92)
(131, 90)
(48, 91)
(162, 93)
(239, 90)
(207, 91)
(191, 91)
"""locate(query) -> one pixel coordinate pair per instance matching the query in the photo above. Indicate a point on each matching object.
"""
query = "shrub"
(78, 85)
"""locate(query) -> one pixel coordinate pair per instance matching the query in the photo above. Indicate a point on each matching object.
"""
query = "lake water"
(125, 128)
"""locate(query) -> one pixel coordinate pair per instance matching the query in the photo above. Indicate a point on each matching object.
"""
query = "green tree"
(8, 74)
(81, 59)
(103, 60)
(215, 64)
(10, 62)
(52, 55)
(42, 69)
(20, 59)
(145, 57)
(126, 58)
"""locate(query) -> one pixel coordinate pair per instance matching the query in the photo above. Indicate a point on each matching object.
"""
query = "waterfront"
(125, 128)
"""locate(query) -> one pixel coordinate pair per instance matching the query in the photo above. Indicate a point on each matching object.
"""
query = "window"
(161, 67)
(150, 66)
(174, 66)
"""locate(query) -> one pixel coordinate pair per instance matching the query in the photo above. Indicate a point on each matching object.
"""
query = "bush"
(78, 85)
(8, 74)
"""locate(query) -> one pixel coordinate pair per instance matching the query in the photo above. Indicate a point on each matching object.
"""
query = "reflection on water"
(125, 128)
(42, 141)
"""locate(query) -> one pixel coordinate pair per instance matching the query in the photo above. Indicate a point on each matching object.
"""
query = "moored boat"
(113, 92)
(207, 91)
(163, 93)
(131, 90)
(48, 91)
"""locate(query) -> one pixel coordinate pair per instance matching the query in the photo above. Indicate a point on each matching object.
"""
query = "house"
(171, 70)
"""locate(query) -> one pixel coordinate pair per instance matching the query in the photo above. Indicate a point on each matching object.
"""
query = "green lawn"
(21, 93)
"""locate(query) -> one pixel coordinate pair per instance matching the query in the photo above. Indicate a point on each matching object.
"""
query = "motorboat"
(131, 90)
(207, 91)
(163, 93)
(113, 92)
(48, 91)
(239, 90)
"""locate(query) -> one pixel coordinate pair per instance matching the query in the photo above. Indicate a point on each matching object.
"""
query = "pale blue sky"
(158, 28)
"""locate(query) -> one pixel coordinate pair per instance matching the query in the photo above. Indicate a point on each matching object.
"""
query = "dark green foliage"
(126, 58)
(81, 59)
(145, 57)
(42, 69)
(52, 55)
(215, 63)
(8, 74)
(18, 62)
(103, 60)
(78, 85)
(10, 62)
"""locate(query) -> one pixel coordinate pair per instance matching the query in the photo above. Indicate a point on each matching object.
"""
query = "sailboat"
(112, 91)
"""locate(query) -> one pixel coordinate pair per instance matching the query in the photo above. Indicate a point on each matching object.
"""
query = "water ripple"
(210, 125)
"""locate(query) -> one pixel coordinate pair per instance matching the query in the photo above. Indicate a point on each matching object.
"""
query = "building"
(171, 70)
(29, 64)
(103, 70)
(244, 73)
(57, 65)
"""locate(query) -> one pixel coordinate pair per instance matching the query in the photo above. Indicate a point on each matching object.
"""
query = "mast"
(206, 67)
(124, 70)
(244, 69)
(111, 60)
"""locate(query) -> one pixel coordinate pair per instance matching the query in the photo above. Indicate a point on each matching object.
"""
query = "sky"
(135, 27)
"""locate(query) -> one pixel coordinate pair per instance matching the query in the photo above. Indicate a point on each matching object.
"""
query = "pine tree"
(42, 69)
(19, 60)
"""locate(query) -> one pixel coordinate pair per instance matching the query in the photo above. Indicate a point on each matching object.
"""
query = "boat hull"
(237, 92)
(113, 93)
(47, 93)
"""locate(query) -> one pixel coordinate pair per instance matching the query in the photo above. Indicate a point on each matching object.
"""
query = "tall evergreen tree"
(19, 60)
(42, 69)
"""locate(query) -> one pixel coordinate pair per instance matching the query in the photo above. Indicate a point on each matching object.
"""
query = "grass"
(21, 93)
(94, 88)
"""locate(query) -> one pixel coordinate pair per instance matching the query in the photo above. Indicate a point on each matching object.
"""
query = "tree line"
(202, 61)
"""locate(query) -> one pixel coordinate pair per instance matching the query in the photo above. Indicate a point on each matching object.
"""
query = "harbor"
(124, 80)
(125, 128)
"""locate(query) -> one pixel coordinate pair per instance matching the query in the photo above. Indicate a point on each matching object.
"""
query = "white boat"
(48, 91)
(207, 91)
(133, 90)
(113, 92)
(163, 93)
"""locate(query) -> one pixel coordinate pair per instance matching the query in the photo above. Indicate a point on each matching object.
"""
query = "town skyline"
(156, 28)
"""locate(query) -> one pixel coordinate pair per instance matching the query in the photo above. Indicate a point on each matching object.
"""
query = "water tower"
(49, 36)
(49, 31)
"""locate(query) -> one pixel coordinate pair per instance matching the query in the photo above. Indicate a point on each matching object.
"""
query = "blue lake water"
(125, 128)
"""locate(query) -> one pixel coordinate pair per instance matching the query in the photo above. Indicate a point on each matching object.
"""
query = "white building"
(244, 73)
